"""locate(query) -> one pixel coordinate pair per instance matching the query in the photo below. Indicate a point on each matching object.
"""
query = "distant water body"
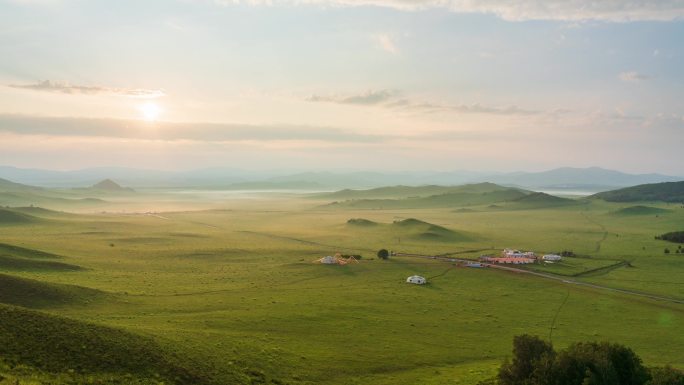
(569, 193)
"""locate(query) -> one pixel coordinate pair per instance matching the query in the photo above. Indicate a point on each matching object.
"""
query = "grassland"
(231, 295)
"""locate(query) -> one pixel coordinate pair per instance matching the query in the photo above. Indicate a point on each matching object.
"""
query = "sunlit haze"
(382, 85)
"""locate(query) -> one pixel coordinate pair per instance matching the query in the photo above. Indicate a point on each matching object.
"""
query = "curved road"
(545, 275)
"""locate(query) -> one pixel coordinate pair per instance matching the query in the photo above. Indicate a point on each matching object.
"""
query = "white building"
(328, 260)
(416, 279)
(552, 257)
(512, 253)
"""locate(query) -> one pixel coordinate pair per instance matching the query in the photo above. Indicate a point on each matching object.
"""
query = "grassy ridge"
(36, 294)
(60, 345)
(451, 199)
(13, 217)
(664, 192)
(18, 251)
(541, 200)
(410, 228)
(23, 264)
(18, 258)
(641, 210)
(396, 192)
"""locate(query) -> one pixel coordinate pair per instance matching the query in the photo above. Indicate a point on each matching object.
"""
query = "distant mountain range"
(592, 179)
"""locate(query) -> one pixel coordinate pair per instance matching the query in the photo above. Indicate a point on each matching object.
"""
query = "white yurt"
(416, 279)
(329, 260)
(552, 257)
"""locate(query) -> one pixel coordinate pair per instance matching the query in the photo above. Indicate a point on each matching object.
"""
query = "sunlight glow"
(150, 111)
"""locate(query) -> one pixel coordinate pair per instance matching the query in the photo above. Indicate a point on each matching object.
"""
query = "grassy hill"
(17, 258)
(36, 294)
(23, 264)
(17, 251)
(109, 185)
(396, 192)
(59, 345)
(13, 217)
(361, 222)
(640, 210)
(540, 200)
(19, 195)
(410, 228)
(663, 192)
(469, 195)
(46, 198)
(425, 231)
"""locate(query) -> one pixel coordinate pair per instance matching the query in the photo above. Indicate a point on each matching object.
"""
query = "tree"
(532, 361)
(383, 254)
(587, 363)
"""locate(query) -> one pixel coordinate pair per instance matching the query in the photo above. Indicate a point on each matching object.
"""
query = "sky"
(395, 85)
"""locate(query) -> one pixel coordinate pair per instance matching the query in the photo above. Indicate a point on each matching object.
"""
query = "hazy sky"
(343, 84)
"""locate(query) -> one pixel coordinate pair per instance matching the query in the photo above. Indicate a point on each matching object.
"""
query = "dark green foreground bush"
(535, 362)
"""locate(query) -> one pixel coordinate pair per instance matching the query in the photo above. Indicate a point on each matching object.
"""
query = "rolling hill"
(396, 192)
(55, 345)
(467, 195)
(23, 264)
(110, 186)
(361, 222)
(17, 258)
(640, 210)
(425, 231)
(540, 200)
(13, 217)
(45, 198)
(664, 192)
(36, 294)
(410, 228)
(22, 252)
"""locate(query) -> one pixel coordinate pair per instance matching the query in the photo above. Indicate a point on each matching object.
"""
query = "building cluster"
(337, 259)
(517, 257)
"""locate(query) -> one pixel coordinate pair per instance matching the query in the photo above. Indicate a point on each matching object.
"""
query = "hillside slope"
(59, 345)
(467, 196)
(396, 192)
(110, 186)
(13, 217)
(664, 192)
(36, 294)
(540, 200)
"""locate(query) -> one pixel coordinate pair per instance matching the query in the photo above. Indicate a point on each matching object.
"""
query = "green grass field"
(231, 295)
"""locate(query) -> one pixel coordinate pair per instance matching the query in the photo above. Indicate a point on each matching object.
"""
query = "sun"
(150, 111)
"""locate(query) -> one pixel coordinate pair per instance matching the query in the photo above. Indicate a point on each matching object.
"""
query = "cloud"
(391, 99)
(166, 131)
(66, 88)
(475, 108)
(367, 98)
(521, 10)
(632, 76)
(386, 43)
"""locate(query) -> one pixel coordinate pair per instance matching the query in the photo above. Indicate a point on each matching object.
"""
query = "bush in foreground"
(535, 362)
